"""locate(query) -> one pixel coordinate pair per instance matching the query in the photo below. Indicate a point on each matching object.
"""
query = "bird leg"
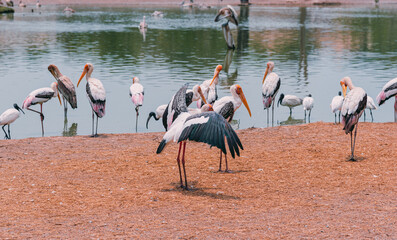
(6, 136)
(137, 110)
(290, 111)
(310, 113)
(220, 162)
(372, 117)
(183, 164)
(305, 116)
(96, 130)
(227, 167)
(339, 116)
(9, 134)
(364, 115)
(93, 135)
(179, 165)
(41, 117)
(354, 143)
(267, 116)
(335, 118)
(273, 111)
(65, 106)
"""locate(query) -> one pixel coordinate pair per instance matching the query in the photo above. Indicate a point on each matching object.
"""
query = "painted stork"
(227, 34)
(136, 94)
(371, 106)
(8, 117)
(38, 4)
(352, 108)
(65, 87)
(40, 96)
(389, 90)
(270, 85)
(336, 104)
(308, 104)
(143, 24)
(207, 127)
(229, 13)
(226, 107)
(156, 115)
(209, 87)
(68, 10)
(158, 14)
(290, 101)
(205, 108)
(96, 95)
(21, 4)
(172, 110)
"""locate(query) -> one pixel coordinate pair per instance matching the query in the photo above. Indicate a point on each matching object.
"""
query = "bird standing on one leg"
(96, 95)
(352, 108)
(136, 94)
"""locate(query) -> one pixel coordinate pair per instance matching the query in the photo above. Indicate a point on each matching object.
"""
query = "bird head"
(87, 68)
(240, 93)
(344, 87)
(269, 69)
(18, 108)
(280, 99)
(218, 69)
(207, 108)
(54, 71)
(135, 80)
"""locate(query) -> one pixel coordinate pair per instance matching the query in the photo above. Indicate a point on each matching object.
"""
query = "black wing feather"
(227, 111)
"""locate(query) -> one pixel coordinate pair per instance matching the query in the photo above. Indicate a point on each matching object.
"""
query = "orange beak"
(210, 108)
(264, 77)
(202, 95)
(344, 88)
(242, 97)
(59, 98)
(82, 75)
(218, 70)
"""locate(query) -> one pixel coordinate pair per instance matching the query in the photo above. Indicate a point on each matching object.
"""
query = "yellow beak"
(82, 75)
(264, 77)
(202, 96)
(242, 97)
(215, 76)
(59, 98)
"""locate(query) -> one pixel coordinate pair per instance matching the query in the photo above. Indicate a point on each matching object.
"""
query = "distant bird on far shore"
(352, 108)
(336, 104)
(308, 104)
(9, 3)
(290, 101)
(371, 106)
(68, 10)
(157, 14)
(21, 4)
(40, 96)
(38, 4)
(8, 117)
(143, 24)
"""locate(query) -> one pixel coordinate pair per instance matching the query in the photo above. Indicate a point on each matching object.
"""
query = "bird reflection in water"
(72, 131)
(292, 121)
(143, 32)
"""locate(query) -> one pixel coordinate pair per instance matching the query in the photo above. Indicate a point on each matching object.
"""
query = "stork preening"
(308, 104)
(336, 104)
(8, 117)
(371, 106)
(207, 127)
(270, 85)
(96, 95)
(40, 96)
(231, 15)
(157, 115)
(352, 108)
(226, 107)
(172, 110)
(209, 89)
(389, 90)
(65, 87)
(290, 101)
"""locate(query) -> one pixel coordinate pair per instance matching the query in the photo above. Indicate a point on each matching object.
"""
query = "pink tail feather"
(27, 102)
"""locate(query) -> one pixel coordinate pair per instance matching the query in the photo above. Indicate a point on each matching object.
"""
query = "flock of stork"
(209, 122)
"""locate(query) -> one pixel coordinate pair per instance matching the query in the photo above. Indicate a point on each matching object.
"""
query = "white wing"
(336, 103)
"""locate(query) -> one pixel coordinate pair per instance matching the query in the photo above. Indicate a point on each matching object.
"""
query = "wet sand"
(290, 182)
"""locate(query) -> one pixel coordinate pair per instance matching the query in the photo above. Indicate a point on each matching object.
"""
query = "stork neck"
(89, 72)
(349, 83)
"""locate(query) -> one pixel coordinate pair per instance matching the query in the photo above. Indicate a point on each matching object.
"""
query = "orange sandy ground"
(290, 182)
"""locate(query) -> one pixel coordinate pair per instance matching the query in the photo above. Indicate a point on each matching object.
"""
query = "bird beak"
(19, 109)
(278, 102)
(264, 77)
(82, 75)
(219, 17)
(344, 88)
(202, 95)
(53, 73)
(242, 97)
(59, 98)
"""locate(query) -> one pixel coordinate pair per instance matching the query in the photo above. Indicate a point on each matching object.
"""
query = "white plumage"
(143, 24)
(308, 104)
(136, 93)
(8, 117)
(290, 101)
(157, 115)
(208, 87)
(226, 106)
(336, 104)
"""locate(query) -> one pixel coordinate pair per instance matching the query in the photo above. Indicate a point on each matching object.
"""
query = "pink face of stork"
(269, 69)
(218, 69)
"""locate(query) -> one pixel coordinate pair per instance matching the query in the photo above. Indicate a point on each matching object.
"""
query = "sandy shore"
(290, 182)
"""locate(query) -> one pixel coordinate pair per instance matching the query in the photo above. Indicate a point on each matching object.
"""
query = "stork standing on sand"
(352, 108)
(207, 127)
(40, 96)
(389, 90)
(270, 85)
(96, 95)
(226, 107)
(8, 117)
(65, 87)
(336, 104)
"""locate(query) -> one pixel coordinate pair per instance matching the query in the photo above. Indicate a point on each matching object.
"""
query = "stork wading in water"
(270, 85)
(157, 115)
(389, 90)
(136, 94)
(226, 107)
(371, 106)
(336, 104)
(290, 101)
(207, 127)
(143, 24)
(8, 117)
(65, 87)
(231, 15)
(308, 104)
(352, 108)
(173, 108)
(209, 89)
(40, 96)
(96, 95)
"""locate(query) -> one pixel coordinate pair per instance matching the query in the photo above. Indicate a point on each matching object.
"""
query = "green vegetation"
(6, 10)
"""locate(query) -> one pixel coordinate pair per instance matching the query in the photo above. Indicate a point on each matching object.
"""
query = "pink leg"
(179, 165)
(42, 119)
(183, 164)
